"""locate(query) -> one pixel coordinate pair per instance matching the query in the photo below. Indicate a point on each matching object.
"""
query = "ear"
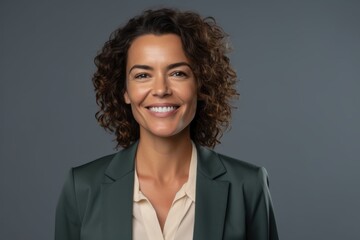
(126, 98)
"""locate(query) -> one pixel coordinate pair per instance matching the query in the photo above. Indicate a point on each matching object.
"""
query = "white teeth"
(162, 109)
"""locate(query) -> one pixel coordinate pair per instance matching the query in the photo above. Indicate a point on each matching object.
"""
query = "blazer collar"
(209, 163)
(122, 163)
(117, 195)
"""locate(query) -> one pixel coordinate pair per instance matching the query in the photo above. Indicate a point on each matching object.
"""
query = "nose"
(161, 86)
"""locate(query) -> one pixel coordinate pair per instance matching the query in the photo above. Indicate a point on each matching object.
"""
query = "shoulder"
(238, 165)
(242, 168)
(246, 179)
(92, 171)
(107, 168)
(246, 174)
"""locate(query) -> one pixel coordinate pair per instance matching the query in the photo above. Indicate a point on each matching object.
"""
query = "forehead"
(153, 49)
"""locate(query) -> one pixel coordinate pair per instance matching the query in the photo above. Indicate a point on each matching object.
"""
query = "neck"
(164, 158)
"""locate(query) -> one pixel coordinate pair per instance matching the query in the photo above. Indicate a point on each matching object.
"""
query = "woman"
(163, 85)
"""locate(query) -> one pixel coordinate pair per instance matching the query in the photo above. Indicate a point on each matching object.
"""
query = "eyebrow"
(171, 66)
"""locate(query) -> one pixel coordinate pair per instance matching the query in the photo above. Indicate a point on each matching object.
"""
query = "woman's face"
(161, 87)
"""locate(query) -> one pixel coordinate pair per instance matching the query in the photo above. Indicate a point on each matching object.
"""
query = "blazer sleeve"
(262, 225)
(67, 221)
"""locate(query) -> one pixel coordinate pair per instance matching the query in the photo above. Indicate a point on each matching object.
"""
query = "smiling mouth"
(163, 109)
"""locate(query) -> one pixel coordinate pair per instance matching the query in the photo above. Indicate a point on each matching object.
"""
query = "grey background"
(298, 115)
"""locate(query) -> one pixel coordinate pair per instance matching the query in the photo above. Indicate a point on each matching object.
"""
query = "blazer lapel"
(211, 196)
(117, 196)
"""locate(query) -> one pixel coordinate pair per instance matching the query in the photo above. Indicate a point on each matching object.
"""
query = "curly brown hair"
(206, 46)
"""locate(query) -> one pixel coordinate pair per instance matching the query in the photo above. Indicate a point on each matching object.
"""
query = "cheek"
(190, 95)
(134, 94)
(191, 100)
(194, 107)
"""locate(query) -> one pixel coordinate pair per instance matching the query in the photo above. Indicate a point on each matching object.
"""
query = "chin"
(168, 132)
(165, 134)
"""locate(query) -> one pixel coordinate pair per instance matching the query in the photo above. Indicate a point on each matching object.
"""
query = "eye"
(141, 75)
(179, 74)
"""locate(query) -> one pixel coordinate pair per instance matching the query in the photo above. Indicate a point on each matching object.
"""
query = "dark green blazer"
(232, 200)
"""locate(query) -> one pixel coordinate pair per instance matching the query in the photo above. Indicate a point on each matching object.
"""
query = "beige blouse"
(179, 224)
